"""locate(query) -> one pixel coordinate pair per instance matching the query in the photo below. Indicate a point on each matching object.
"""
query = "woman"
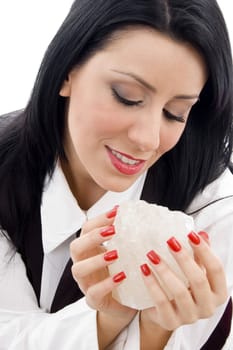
(133, 100)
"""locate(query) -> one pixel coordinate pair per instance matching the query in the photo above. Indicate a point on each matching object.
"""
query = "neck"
(86, 191)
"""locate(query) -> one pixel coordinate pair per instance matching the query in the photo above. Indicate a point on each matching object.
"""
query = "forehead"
(157, 58)
(138, 37)
(155, 49)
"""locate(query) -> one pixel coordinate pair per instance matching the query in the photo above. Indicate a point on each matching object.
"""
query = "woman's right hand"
(90, 262)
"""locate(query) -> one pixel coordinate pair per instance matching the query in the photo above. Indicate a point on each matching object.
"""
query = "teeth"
(124, 159)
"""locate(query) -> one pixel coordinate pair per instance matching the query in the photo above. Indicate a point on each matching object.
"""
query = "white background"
(26, 28)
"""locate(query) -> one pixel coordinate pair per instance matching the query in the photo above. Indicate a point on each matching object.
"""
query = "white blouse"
(25, 326)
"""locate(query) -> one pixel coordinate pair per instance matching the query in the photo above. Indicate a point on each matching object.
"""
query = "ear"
(66, 88)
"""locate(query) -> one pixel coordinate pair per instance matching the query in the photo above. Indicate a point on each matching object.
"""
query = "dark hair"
(32, 142)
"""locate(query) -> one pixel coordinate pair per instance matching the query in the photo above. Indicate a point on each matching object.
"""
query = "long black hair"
(31, 143)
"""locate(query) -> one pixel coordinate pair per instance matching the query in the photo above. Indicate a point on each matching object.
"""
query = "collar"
(61, 216)
(219, 189)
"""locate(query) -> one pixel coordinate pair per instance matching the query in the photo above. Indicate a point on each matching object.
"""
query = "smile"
(125, 159)
(125, 164)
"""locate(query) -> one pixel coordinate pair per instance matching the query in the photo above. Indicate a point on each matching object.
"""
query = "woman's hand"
(207, 285)
(90, 261)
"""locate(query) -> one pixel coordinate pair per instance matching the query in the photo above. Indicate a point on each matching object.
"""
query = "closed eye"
(174, 117)
(125, 101)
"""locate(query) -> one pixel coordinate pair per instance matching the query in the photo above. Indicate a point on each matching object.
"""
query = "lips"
(125, 163)
(125, 159)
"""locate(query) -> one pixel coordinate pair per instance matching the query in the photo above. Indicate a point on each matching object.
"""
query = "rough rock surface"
(141, 227)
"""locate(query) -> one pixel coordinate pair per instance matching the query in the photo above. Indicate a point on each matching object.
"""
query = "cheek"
(105, 120)
(94, 121)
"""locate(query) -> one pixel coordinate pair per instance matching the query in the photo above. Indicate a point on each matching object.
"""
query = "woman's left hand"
(207, 285)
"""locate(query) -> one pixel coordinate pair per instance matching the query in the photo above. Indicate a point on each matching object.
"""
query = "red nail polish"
(194, 238)
(174, 244)
(145, 270)
(112, 255)
(119, 277)
(204, 235)
(153, 257)
(112, 213)
(108, 231)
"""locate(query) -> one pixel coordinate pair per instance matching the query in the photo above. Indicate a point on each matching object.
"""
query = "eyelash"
(123, 100)
(129, 103)
(174, 117)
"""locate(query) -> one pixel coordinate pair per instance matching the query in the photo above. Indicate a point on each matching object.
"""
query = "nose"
(145, 132)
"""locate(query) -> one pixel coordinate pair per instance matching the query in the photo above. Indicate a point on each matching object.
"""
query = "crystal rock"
(141, 227)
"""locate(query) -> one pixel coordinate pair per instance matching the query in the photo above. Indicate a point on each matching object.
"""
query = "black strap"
(67, 291)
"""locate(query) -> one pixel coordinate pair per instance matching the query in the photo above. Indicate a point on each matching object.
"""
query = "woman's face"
(127, 106)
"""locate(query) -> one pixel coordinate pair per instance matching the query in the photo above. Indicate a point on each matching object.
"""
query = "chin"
(118, 186)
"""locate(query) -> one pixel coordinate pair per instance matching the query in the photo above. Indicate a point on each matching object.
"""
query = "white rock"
(141, 227)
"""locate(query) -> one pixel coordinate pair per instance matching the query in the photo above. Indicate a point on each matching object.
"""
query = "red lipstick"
(125, 163)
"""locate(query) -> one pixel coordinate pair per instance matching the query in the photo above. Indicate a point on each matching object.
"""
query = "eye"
(174, 117)
(125, 101)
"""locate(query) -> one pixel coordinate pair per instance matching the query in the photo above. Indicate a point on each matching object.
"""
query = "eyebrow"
(152, 88)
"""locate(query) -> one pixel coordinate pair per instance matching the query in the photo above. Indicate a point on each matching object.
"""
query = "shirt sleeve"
(24, 326)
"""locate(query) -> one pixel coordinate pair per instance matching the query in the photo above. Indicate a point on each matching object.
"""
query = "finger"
(99, 221)
(175, 288)
(199, 284)
(84, 268)
(204, 235)
(97, 293)
(164, 310)
(213, 267)
(80, 247)
(205, 298)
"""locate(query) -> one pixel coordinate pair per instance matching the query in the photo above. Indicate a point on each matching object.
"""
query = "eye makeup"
(123, 100)
(174, 117)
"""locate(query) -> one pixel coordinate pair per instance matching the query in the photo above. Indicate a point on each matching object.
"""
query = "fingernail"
(108, 231)
(204, 235)
(119, 277)
(112, 213)
(145, 270)
(174, 244)
(194, 238)
(112, 255)
(153, 257)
